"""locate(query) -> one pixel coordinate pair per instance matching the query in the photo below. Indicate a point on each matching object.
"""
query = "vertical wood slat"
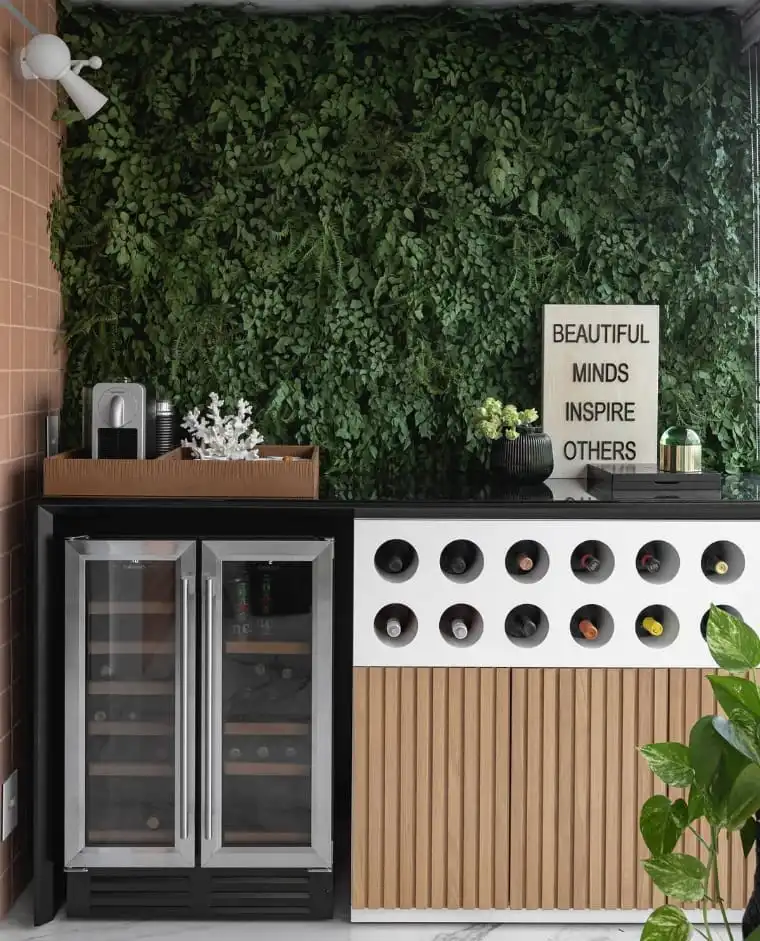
(533, 773)
(408, 796)
(660, 734)
(597, 790)
(566, 721)
(360, 784)
(629, 814)
(487, 808)
(518, 788)
(375, 797)
(514, 788)
(471, 789)
(612, 794)
(422, 844)
(549, 735)
(644, 779)
(501, 789)
(438, 790)
(582, 786)
(390, 773)
(454, 790)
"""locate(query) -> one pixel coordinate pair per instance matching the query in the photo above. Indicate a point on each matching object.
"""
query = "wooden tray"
(177, 474)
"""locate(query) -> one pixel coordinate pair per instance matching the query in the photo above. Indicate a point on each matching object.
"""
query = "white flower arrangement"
(494, 420)
(214, 438)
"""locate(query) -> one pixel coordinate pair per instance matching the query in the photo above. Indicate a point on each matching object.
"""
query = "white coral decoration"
(222, 439)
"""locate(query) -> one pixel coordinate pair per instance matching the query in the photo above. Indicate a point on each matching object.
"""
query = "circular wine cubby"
(657, 562)
(396, 560)
(461, 625)
(461, 561)
(592, 561)
(657, 626)
(722, 562)
(526, 625)
(396, 625)
(527, 561)
(723, 607)
(592, 626)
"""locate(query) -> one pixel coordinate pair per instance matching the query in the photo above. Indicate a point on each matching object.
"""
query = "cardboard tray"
(177, 474)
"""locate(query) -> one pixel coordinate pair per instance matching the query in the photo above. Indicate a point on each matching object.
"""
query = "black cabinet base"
(287, 894)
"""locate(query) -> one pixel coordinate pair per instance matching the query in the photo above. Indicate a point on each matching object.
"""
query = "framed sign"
(600, 380)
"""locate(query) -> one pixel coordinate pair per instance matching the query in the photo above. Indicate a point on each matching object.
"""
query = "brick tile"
(17, 260)
(16, 393)
(30, 263)
(17, 436)
(5, 162)
(5, 439)
(17, 305)
(5, 211)
(17, 347)
(5, 258)
(5, 314)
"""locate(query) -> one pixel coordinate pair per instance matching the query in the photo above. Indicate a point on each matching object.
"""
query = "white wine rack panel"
(428, 604)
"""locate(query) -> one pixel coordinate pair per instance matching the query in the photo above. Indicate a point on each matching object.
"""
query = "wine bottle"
(393, 628)
(583, 628)
(713, 565)
(458, 557)
(458, 628)
(394, 557)
(647, 562)
(107, 671)
(100, 715)
(584, 559)
(524, 559)
(153, 820)
(262, 752)
(523, 623)
(235, 754)
(649, 626)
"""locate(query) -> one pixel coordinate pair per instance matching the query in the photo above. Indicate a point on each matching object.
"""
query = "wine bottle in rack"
(523, 560)
(586, 559)
(458, 628)
(584, 628)
(458, 557)
(713, 564)
(394, 557)
(649, 626)
(647, 562)
(523, 623)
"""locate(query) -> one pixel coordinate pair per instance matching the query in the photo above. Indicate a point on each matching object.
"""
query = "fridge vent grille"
(262, 895)
(162, 896)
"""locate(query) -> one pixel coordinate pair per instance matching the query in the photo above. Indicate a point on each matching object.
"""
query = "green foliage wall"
(354, 221)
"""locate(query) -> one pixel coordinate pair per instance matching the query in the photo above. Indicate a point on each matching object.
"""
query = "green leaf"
(733, 644)
(753, 935)
(678, 875)
(408, 214)
(670, 761)
(666, 923)
(748, 835)
(680, 812)
(660, 825)
(696, 804)
(734, 692)
(705, 750)
(736, 738)
(743, 798)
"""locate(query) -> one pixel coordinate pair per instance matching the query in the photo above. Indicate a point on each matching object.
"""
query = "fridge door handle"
(184, 772)
(208, 699)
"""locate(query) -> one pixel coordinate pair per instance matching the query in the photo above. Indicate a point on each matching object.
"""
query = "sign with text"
(600, 375)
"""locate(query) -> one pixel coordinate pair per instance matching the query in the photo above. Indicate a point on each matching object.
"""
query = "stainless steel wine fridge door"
(267, 704)
(130, 728)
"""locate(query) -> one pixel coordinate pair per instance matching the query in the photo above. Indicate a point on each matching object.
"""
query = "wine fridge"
(198, 705)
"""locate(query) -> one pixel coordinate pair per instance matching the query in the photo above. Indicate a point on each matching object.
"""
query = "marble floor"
(18, 927)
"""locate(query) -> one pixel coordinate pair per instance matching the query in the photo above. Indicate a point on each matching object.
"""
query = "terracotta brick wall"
(30, 385)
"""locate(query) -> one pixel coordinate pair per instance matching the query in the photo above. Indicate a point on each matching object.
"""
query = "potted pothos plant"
(519, 450)
(719, 772)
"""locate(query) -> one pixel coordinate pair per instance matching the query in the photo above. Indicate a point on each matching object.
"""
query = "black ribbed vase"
(527, 459)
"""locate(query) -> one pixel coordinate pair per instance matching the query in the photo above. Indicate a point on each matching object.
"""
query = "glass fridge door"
(130, 617)
(267, 713)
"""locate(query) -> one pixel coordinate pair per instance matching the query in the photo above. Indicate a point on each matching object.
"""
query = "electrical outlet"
(10, 804)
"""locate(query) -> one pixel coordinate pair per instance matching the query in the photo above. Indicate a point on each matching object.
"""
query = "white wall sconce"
(47, 57)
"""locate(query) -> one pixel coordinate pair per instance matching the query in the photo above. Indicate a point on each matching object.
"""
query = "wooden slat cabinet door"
(498, 788)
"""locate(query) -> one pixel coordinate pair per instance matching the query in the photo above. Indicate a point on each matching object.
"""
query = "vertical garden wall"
(354, 220)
